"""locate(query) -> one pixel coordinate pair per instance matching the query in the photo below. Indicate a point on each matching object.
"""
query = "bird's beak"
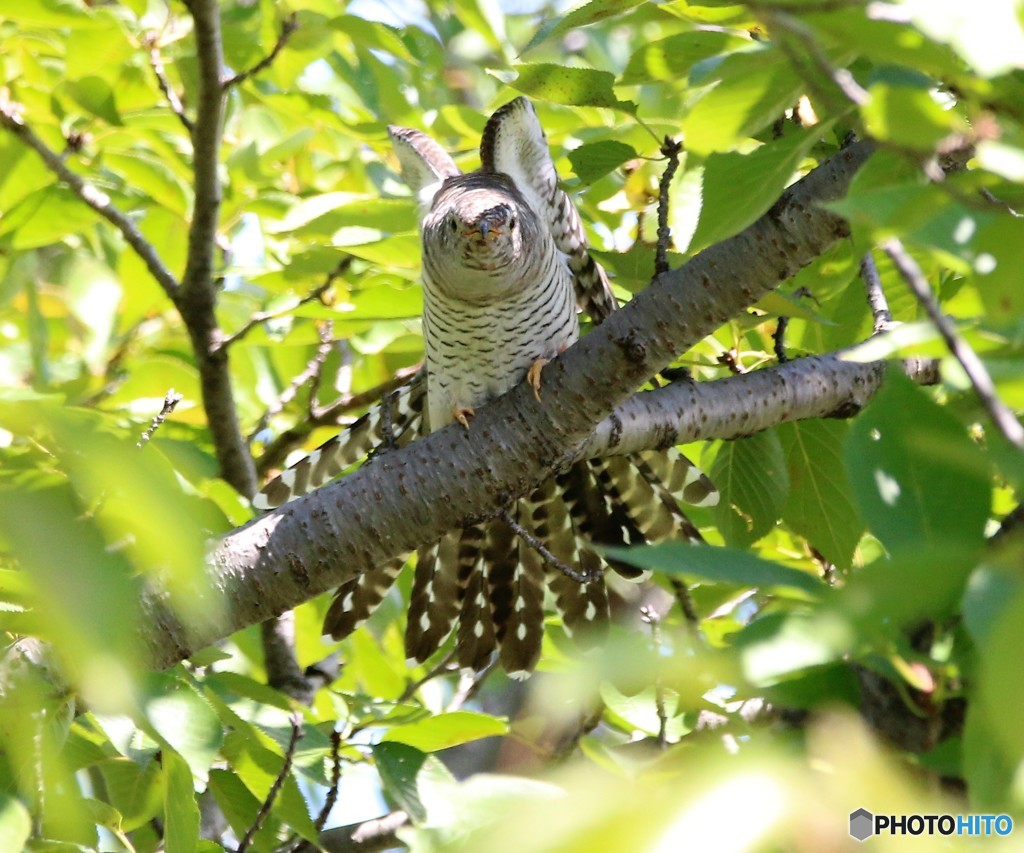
(485, 226)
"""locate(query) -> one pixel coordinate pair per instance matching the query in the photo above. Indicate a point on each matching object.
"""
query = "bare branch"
(1000, 413)
(275, 452)
(650, 616)
(311, 371)
(876, 296)
(206, 138)
(275, 788)
(264, 316)
(332, 792)
(283, 672)
(545, 554)
(812, 387)
(371, 836)
(171, 400)
(841, 77)
(670, 148)
(198, 296)
(288, 26)
(156, 62)
(12, 120)
(779, 340)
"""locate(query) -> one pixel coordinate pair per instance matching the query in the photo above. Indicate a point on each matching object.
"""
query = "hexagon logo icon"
(862, 824)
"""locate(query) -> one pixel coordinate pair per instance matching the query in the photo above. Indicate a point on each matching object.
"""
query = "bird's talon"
(533, 375)
(462, 414)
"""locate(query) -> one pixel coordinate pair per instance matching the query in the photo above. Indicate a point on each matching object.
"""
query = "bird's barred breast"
(478, 352)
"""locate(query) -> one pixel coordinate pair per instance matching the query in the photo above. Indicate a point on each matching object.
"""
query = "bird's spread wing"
(425, 164)
(514, 144)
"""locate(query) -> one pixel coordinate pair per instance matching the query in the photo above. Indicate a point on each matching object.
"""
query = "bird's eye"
(453, 224)
(511, 223)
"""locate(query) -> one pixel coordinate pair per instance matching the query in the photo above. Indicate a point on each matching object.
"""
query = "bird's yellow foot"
(533, 375)
(462, 414)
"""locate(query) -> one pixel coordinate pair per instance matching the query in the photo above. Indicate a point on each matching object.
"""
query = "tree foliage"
(208, 261)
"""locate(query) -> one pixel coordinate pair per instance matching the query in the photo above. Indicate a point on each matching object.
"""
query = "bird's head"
(477, 237)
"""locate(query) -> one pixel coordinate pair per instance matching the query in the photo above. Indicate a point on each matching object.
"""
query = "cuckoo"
(506, 270)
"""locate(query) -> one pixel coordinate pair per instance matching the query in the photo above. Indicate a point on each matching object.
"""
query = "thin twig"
(686, 605)
(411, 688)
(312, 370)
(779, 340)
(880, 313)
(545, 554)
(275, 452)
(264, 316)
(670, 148)
(841, 77)
(1001, 415)
(156, 62)
(387, 428)
(649, 616)
(288, 26)
(332, 792)
(275, 788)
(171, 400)
(12, 120)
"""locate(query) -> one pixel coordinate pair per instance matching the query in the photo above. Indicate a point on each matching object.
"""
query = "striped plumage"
(505, 265)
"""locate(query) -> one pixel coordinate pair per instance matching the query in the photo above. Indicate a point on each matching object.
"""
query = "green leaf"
(892, 593)
(240, 807)
(581, 87)
(373, 34)
(136, 792)
(917, 477)
(752, 477)
(998, 688)
(399, 767)
(670, 59)
(908, 117)
(15, 823)
(819, 506)
(184, 720)
(95, 96)
(738, 188)
(88, 614)
(754, 89)
(595, 10)
(722, 565)
(444, 730)
(51, 13)
(639, 712)
(181, 811)
(779, 646)
(46, 217)
(596, 159)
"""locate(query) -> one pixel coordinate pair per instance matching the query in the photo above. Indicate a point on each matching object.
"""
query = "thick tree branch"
(741, 405)
(452, 476)
(98, 200)
(198, 296)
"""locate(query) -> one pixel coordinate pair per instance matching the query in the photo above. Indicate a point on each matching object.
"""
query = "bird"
(506, 272)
